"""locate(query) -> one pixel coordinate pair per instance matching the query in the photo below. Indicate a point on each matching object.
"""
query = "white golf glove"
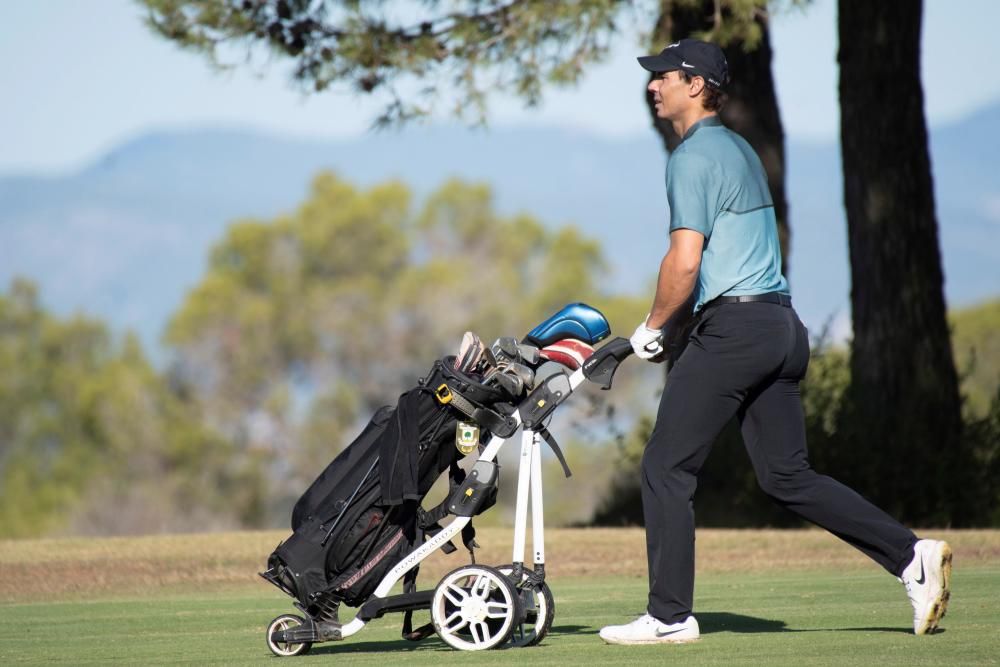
(647, 343)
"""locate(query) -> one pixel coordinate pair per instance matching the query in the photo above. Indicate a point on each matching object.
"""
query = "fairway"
(793, 598)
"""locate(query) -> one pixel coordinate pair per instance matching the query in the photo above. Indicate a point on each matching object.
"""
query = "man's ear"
(696, 86)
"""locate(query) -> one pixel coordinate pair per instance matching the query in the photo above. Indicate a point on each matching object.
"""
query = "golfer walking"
(745, 357)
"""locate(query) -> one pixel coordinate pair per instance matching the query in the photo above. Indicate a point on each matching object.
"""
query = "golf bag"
(362, 515)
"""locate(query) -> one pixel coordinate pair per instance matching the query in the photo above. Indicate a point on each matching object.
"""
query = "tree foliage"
(409, 51)
(91, 439)
(976, 343)
(727, 488)
(416, 55)
(303, 325)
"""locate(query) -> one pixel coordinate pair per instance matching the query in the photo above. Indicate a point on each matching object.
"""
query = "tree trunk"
(905, 411)
(752, 109)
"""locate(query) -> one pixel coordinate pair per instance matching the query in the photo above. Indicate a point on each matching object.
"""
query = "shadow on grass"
(396, 645)
(722, 621)
(431, 644)
(710, 622)
(557, 630)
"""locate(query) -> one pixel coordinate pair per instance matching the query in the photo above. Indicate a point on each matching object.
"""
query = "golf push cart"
(359, 528)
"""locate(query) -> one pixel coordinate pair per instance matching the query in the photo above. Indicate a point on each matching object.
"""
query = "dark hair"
(712, 99)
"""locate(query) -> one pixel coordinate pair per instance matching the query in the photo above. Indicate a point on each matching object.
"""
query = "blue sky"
(80, 78)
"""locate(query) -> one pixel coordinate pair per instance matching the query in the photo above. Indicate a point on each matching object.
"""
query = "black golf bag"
(362, 515)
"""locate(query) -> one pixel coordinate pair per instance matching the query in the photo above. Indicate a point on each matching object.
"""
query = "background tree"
(976, 344)
(904, 387)
(303, 325)
(91, 439)
(905, 408)
(412, 53)
(517, 47)
(728, 494)
(406, 52)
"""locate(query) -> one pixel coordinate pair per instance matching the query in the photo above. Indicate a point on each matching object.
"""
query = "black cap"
(693, 56)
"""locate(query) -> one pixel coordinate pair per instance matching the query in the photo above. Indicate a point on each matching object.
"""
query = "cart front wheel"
(475, 608)
(286, 649)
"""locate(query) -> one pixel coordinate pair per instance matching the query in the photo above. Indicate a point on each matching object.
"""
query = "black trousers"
(744, 359)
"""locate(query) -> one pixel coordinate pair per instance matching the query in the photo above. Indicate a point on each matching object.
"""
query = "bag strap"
(550, 440)
(428, 525)
(430, 520)
(469, 540)
(424, 631)
(494, 422)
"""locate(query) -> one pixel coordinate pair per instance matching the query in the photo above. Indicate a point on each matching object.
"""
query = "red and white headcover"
(569, 352)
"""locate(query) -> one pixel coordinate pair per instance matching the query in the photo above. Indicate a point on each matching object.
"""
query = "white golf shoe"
(648, 630)
(928, 584)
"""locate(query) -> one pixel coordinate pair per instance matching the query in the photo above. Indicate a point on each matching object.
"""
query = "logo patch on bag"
(466, 437)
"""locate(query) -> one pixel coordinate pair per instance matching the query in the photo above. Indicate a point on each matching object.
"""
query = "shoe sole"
(642, 642)
(940, 606)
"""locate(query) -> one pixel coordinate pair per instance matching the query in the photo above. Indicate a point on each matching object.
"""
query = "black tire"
(282, 650)
(539, 611)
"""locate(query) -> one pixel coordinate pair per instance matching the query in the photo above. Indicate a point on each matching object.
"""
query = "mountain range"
(125, 237)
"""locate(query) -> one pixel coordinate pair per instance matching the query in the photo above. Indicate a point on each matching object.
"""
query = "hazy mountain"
(125, 237)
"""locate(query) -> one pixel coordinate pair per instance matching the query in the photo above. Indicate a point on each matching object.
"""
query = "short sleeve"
(693, 191)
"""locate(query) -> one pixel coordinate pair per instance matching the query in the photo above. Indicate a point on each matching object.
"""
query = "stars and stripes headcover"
(569, 352)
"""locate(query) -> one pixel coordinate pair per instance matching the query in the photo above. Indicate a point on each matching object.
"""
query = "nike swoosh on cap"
(685, 64)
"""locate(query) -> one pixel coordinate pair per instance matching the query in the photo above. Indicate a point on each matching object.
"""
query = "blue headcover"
(575, 320)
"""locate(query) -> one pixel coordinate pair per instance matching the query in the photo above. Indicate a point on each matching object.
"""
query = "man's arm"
(678, 274)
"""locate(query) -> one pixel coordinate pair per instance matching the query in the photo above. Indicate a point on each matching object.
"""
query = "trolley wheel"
(282, 649)
(539, 610)
(475, 608)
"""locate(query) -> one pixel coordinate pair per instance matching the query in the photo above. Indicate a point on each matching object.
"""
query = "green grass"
(799, 618)
(763, 597)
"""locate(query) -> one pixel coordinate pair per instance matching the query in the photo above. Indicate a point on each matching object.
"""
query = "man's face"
(671, 94)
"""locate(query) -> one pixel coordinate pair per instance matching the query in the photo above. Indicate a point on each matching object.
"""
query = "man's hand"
(647, 343)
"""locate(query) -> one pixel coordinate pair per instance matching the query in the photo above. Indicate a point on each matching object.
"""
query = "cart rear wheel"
(539, 610)
(475, 608)
(283, 649)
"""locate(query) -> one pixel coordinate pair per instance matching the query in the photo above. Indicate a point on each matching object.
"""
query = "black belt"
(770, 297)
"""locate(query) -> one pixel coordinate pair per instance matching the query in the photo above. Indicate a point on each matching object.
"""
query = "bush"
(727, 488)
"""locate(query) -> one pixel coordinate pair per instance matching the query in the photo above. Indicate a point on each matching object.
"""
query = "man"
(745, 357)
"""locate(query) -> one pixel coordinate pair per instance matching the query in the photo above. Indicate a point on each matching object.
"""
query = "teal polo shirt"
(716, 185)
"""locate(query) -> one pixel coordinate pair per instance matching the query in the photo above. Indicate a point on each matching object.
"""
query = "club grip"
(601, 366)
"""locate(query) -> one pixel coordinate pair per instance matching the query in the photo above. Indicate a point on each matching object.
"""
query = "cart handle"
(600, 367)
